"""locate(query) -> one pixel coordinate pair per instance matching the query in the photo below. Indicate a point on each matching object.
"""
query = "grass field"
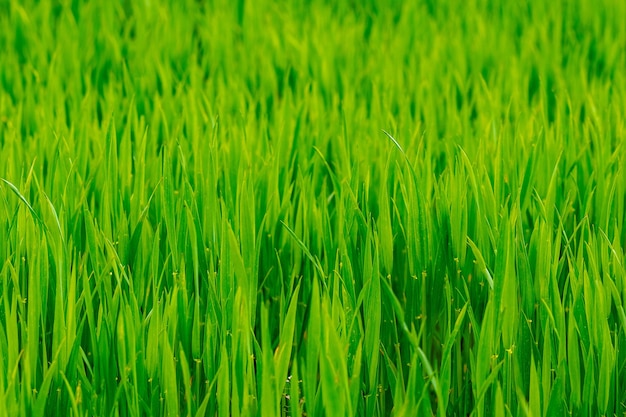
(312, 208)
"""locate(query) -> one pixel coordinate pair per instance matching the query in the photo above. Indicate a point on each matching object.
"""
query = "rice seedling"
(312, 208)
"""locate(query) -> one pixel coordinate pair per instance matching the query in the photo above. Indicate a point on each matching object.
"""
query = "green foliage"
(312, 208)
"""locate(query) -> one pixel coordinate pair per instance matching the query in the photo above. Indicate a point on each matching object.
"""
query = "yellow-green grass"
(318, 208)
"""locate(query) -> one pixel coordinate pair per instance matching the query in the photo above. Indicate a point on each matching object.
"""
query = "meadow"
(312, 208)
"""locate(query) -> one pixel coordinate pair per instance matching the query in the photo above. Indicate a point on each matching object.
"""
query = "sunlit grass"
(312, 208)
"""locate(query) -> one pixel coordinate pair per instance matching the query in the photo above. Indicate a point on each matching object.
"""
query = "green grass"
(312, 208)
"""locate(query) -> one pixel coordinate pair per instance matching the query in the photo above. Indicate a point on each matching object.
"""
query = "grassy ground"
(360, 208)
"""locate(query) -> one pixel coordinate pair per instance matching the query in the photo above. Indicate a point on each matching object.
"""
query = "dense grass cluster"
(362, 208)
